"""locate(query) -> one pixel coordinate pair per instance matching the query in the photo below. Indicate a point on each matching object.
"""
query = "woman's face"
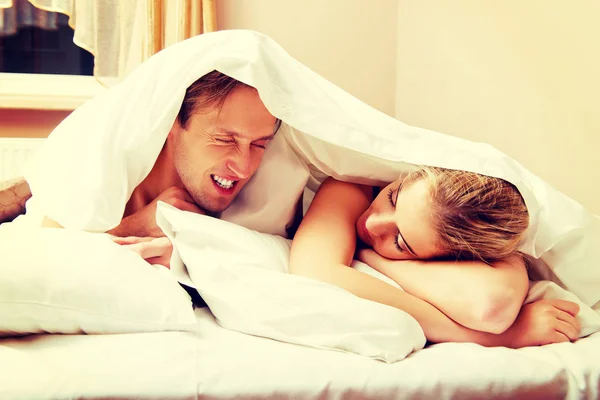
(398, 223)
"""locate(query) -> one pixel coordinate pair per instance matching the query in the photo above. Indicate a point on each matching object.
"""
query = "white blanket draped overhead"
(87, 169)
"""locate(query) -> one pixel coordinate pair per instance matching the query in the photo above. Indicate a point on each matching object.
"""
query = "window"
(40, 66)
(47, 48)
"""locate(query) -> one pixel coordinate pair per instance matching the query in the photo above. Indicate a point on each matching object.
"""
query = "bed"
(213, 363)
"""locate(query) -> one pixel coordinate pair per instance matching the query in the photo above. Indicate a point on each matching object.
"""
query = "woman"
(449, 239)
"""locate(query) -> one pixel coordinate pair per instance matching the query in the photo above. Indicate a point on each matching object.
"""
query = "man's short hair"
(210, 90)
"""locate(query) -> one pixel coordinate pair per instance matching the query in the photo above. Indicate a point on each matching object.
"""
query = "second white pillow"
(62, 281)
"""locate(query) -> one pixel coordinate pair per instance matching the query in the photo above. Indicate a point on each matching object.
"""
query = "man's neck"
(163, 174)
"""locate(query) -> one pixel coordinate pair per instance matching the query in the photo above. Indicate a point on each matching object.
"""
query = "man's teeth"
(224, 183)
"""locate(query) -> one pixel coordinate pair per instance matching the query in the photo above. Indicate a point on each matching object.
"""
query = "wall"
(29, 123)
(349, 42)
(521, 75)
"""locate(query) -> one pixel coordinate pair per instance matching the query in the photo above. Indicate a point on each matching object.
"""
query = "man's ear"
(175, 129)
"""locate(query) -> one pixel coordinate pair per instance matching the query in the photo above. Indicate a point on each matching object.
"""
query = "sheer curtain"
(21, 13)
(119, 33)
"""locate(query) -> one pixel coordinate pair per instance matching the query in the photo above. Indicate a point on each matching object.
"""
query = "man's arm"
(474, 294)
(13, 196)
(142, 223)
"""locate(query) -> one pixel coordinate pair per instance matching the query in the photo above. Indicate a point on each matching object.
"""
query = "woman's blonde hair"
(477, 217)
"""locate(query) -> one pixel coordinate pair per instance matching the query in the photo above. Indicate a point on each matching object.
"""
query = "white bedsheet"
(217, 363)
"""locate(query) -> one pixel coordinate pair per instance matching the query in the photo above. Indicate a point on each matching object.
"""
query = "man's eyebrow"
(238, 135)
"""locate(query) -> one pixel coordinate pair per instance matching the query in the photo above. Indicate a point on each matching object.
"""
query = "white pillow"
(61, 281)
(242, 276)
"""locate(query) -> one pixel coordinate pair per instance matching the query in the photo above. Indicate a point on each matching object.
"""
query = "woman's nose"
(379, 223)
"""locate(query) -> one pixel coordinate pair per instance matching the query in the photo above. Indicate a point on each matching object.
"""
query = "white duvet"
(86, 170)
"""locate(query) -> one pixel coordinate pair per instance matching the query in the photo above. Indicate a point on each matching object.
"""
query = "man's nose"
(378, 224)
(240, 163)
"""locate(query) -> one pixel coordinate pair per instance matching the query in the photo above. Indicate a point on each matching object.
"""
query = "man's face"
(220, 149)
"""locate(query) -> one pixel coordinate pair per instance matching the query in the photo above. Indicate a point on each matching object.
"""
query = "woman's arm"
(477, 295)
(539, 323)
(327, 235)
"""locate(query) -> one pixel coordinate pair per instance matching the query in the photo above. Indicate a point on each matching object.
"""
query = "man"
(214, 147)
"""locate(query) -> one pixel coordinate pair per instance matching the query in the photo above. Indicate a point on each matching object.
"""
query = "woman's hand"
(544, 322)
(153, 250)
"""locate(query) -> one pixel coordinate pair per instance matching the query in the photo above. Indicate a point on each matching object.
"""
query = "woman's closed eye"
(390, 195)
(397, 244)
(393, 195)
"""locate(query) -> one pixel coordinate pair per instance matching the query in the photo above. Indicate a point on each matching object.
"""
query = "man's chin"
(216, 207)
(214, 203)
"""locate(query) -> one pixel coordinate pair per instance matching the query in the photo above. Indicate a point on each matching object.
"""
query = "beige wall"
(521, 75)
(349, 42)
(29, 123)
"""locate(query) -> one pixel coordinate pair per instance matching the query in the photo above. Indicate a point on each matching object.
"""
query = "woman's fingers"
(567, 324)
(569, 319)
(559, 337)
(567, 329)
(566, 306)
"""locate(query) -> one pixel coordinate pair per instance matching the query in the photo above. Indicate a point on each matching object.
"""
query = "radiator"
(14, 152)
